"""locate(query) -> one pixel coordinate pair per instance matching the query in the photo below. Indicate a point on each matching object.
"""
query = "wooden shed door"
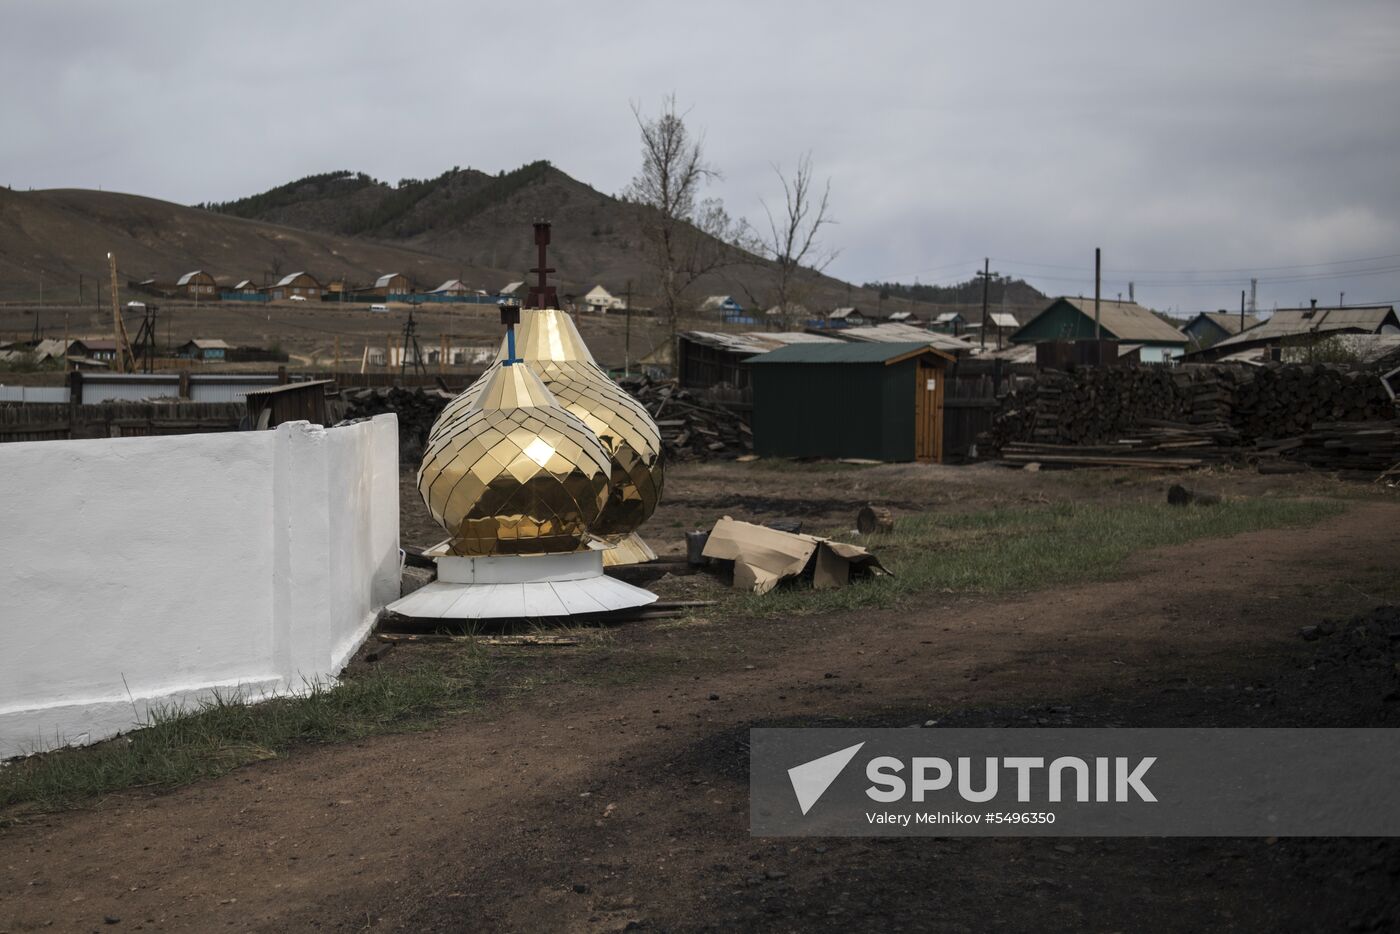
(928, 413)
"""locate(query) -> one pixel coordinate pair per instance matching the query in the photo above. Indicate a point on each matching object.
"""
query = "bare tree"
(792, 239)
(686, 236)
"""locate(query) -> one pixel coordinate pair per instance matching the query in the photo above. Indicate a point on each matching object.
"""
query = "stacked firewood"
(1363, 450)
(1103, 404)
(690, 427)
(417, 409)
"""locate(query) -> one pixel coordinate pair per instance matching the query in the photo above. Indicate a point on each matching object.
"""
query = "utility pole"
(80, 288)
(1130, 293)
(118, 329)
(627, 334)
(1341, 300)
(1253, 296)
(1241, 309)
(1098, 269)
(986, 276)
(1003, 311)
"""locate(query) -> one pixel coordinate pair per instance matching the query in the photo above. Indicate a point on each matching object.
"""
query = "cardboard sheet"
(765, 557)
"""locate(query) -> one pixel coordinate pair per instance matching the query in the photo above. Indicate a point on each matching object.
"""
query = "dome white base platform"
(513, 586)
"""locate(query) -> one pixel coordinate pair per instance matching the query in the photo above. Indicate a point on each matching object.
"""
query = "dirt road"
(616, 795)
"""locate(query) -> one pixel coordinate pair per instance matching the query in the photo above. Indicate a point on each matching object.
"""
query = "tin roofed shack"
(717, 362)
(872, 400)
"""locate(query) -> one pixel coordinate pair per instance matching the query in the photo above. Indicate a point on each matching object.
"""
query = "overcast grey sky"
(1182, 137)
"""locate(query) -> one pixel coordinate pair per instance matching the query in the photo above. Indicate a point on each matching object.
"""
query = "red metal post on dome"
(542, 295)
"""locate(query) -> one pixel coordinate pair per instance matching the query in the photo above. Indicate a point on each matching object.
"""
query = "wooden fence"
(54, 421)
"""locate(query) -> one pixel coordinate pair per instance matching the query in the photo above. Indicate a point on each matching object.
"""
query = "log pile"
(416, 408)
(1361, 450)
(1192, 416)
(691, 428)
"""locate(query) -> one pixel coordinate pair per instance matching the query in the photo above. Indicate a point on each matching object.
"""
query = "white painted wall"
(156, 571)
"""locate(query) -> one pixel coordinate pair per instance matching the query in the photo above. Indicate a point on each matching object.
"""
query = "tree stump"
(872, 519)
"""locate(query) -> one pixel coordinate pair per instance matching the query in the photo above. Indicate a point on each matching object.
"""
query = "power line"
(1194, 272)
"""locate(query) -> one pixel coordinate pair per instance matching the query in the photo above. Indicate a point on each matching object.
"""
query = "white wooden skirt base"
(515, 586)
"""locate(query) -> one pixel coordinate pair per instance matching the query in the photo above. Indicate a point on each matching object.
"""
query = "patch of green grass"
(1010, 550)
(178, 746)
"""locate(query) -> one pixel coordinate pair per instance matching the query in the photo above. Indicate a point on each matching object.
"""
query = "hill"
(60, 235)
(484, 218)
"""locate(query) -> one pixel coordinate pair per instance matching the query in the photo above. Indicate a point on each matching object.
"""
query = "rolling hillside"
(62, 234)
(484, 219)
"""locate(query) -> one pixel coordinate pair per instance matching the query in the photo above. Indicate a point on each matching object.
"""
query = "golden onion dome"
(551, 345)
(515, 473)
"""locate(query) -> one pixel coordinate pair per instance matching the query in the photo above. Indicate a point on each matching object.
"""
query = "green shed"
(871, 400)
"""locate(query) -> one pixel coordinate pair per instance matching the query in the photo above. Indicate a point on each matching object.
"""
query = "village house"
(1298, 326)
(724, 304)
(600, 301)
(904, 317)
(452, 287)
(93, 348)
(197, 284)
(206, 349)
(1212, 327)
(301, 284)
(389, 285)
(846, 317)
(1072, 319)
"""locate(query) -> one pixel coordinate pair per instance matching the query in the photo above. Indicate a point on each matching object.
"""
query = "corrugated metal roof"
(289, 278)
(878, 352)
(244, 285)
(1228, 320)
(716, 301)
(1296, 322)
(902, 333)
(185, 279)
(839, 313)
(1004, 319)
(385, 279)
(211, 343)
(510, 288)
(452, 285)
(754, 342)
(945, 317)
(1127, 321)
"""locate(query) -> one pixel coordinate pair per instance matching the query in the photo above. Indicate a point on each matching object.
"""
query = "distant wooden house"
(245, 287)
(394, 283)
(511, 290)
(1212, 327)
(93, 348)
(452, 287)
(724, 304)
(208, 350)
(600, 301)
(904, 317)
(301, 284)
(846, 317)
(951, 321)
(197, 284)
